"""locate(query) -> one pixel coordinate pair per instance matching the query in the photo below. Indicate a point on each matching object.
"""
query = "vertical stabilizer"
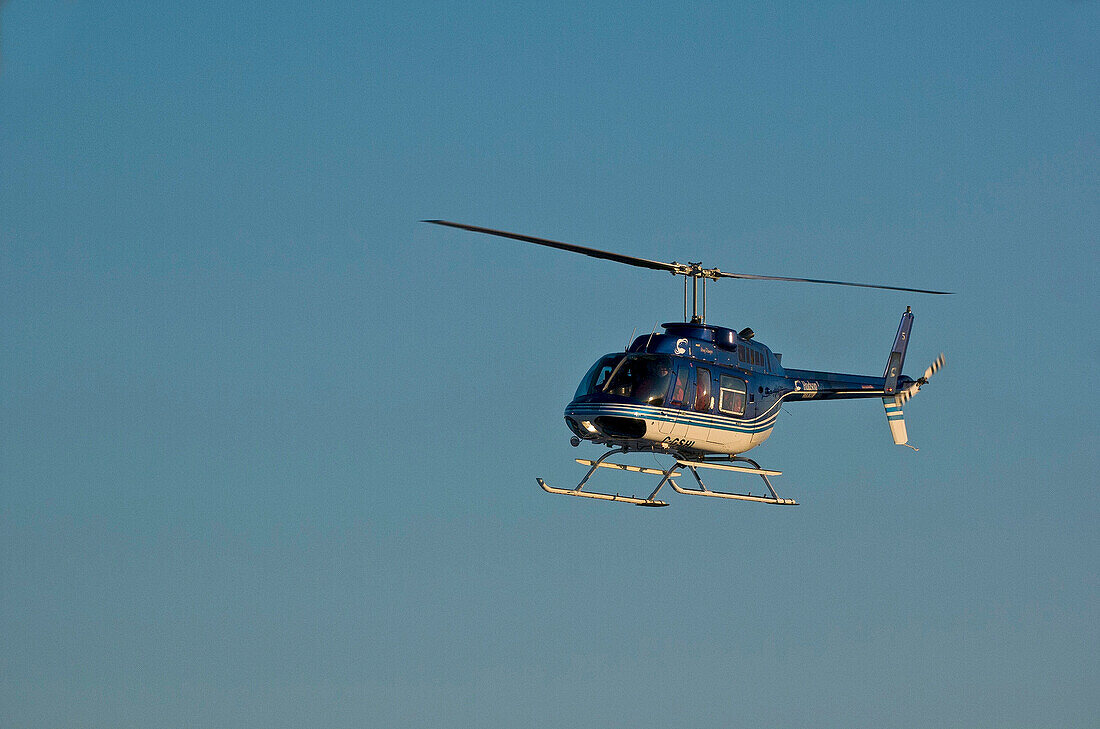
(897, 358)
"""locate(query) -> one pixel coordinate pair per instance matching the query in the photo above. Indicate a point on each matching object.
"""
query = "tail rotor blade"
(915, 387)
(933, 368)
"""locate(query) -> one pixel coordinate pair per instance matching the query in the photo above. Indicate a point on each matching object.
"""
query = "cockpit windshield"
(597, 376)
(641, 377)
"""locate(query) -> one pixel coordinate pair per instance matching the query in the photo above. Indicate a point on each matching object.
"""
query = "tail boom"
(893, 388)
(815, 385)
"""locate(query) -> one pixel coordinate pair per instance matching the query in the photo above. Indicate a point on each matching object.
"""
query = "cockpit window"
(597, 376)
(642, 377)
(681, 386)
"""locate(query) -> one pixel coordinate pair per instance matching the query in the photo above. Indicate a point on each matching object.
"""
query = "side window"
(732, 399)
(702, 390)
(680, 387)
(741, 354)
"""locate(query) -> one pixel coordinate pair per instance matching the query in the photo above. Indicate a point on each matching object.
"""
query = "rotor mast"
(698, 276)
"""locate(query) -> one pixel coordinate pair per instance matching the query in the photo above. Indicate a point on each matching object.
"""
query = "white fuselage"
(682, 430)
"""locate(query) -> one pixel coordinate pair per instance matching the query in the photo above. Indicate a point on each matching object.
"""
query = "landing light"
(588, 426)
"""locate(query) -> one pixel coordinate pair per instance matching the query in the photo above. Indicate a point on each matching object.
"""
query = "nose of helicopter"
(595, 420)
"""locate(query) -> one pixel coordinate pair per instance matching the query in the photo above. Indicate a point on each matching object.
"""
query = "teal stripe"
(729, 427)
(700, 419)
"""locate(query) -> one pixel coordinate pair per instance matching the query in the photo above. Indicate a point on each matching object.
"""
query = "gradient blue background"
(268, 445)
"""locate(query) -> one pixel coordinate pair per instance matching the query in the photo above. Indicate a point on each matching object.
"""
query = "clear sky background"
(268, 445)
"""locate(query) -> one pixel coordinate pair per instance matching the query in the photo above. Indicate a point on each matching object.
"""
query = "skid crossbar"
(704, 491)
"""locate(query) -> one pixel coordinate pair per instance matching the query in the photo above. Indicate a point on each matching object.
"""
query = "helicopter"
(706, 394)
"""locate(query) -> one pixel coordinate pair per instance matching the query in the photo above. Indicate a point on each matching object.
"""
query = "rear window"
(732, 395)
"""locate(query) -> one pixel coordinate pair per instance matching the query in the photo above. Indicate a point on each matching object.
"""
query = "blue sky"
(269, 445)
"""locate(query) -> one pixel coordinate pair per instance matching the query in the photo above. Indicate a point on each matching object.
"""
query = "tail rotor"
(908, 392)
(894, 415)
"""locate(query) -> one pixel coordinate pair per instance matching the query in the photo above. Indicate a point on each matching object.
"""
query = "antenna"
(685, 298)
(703, 318)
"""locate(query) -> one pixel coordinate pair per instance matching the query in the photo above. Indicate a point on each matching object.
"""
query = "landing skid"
(668, 475)
(596, 495)
(600, 463)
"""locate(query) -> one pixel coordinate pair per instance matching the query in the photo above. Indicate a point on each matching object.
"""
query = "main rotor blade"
(678, 268)
(823, 281)
(594, 252)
